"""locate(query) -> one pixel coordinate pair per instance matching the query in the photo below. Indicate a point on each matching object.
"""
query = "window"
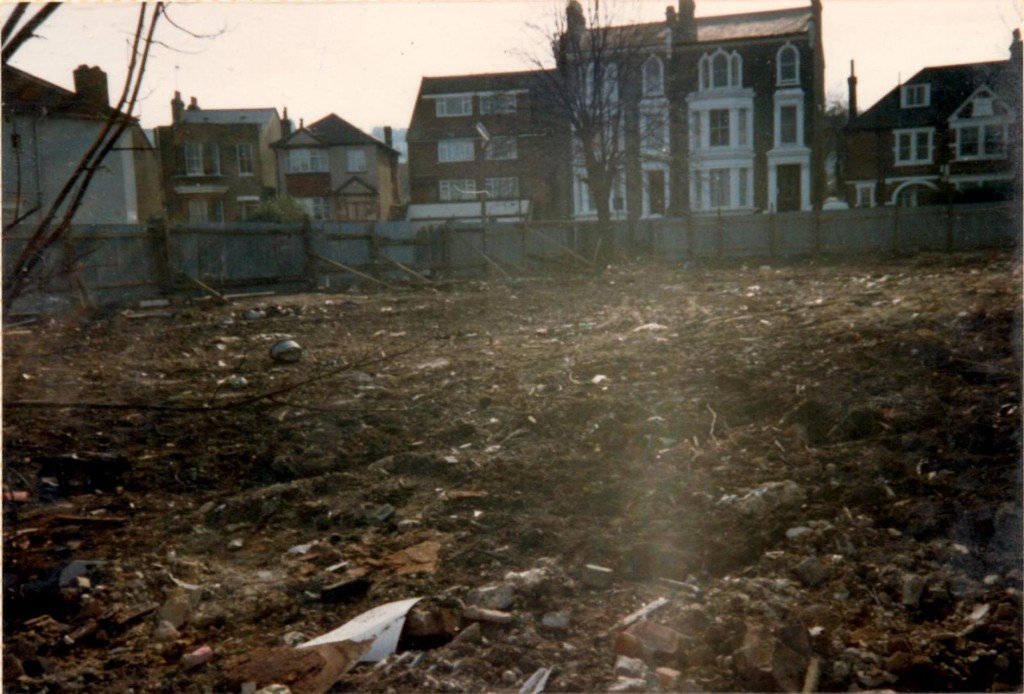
(457, 189)
(865, 195)
(197, 212)
(719, 127)
(653, 132)
(744, 189)
(504, 187)
(721, 70)
(914, 146)
(696, 142)
(211, 159)
(654, 82)
(317, 208)
(307, 161)
(609, 81)
(788, 65)
(355, 160)
(719, 188)
(461, 105)
(455, 150)
(915, 95)
(742, 124)
(968, 142)
(502, 148)
(245, 163)
(498, 103)
(217, 211)
(194, 164)
(788, 125)
(980, 141)
(247, 210)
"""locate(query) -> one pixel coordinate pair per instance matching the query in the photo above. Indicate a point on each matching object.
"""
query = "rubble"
(811, 487)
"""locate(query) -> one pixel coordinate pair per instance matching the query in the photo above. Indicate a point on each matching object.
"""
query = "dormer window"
(654, 77)
(721, 71)
(915, 95)
(788, 64)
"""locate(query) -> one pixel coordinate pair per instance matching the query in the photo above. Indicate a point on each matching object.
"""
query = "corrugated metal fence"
(117, 265)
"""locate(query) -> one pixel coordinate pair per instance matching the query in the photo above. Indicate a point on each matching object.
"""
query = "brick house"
(217, 163)
(338, 172)
(721, 114)
(46, 131)
(485, 136)
(950, 133)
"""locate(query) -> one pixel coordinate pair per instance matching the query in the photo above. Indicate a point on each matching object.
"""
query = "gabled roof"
(355, 186)
(25, 92)
(230, 116)
(950, 86)
(331, 131)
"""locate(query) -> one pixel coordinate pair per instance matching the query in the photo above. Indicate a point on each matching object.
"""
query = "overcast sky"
(364, 60)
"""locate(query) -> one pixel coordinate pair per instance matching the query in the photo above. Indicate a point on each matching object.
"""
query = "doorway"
(788, 198)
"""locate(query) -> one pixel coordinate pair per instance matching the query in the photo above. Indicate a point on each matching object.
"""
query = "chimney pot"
(193, 105)
(91, 85)
(388, 136)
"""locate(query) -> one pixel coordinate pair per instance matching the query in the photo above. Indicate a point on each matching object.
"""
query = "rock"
(235, 545)
(597, 576)
(177, 609)
(345, 590)
(912, 590)
(558, 621)
(794, 533)
(493, 597)
(771, 497)
(478, 614)
(656, 638)
(840, 671)
(198, 657)
(274, 689)
(630, 667)
(378, 514)
(811, 572)
(766, 664)
(508, 677)
(527, 579)
(471, 634)
(294, 638)
(164, 632)
(628, 684)
(668, 678)
(898, 662)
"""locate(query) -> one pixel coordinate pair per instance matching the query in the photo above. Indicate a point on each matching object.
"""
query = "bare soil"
(817, 464)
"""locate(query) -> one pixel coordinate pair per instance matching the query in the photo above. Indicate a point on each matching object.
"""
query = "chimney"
(1015, 50)
(91, 85)
(670, 15)
(387, 136)
(302, 123)
(575, 21)
(687, 20)
(286, 125)
(177, 108)
(851, 83)
(193, 105)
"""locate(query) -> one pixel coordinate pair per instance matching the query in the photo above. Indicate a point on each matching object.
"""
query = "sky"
(364, 60)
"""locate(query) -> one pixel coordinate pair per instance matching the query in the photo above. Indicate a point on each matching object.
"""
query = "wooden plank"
(205, 287)
(560, 245)
(408, 269)
(346, 268)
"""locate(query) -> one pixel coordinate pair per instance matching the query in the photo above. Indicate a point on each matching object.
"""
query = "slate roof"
(951, 85)
(754, 24)
(491, 81)
(25, 92)
(333, 130)
(230, 116)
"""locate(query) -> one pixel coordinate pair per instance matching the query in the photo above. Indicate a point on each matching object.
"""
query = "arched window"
(721, 70)
(788, 61)
(654, 77)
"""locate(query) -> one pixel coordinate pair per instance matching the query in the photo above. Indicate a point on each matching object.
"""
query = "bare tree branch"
(27, 31)
(13, 20)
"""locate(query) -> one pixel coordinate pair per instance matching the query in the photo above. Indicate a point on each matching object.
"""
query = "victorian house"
(948, 134)
(338, 172)
(217, 163)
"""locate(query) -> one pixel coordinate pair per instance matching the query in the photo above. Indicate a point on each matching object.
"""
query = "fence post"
(689, 235)
(312, 269)
(816, 240)
(446, 250)
(773, 233)
(950, 223)
(160, 245)
(374, 250)
(719, 241)
(896, 228)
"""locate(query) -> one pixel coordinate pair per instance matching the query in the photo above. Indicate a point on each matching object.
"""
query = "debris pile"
(803, 477)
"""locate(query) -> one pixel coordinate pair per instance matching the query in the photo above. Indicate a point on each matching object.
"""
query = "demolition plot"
(726, 477)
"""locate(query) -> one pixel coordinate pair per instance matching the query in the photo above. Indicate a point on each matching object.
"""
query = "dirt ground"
(816, 465)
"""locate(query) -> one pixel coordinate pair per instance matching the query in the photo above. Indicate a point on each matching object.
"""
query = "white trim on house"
(917, 95)
(914, 143)
(795, 79)
(909, 182)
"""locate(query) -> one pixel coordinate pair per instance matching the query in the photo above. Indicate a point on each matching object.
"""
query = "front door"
(788, 198)
(656, 192)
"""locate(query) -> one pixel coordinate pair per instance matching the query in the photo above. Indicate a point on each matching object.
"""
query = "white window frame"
(795, 110)
(503, 147)
(318, 208)
(307, 160)
(246, 162)
(654, 135)
(782, 79)
(653, 85)
(456, 149)
(198, 211)
(983, 152)
(498, 102)
(502, 187)
(193, 159)
(355, 160)
(733, 71)
(865, 195)
(917, 95)
(713, 130)
(453, 105)
(783, 100)
(456, 189)
(211, 159)
(916, 157)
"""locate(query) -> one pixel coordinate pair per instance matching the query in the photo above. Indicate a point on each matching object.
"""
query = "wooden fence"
(121, 265)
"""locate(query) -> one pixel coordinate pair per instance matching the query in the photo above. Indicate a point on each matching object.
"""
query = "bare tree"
(56, 222)
(594, 92)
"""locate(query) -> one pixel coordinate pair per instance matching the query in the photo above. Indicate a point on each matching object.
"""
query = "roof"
(483, 82)
(333, 130)
(754, 24)
(22, 91)
(232, 116)
(950, 86)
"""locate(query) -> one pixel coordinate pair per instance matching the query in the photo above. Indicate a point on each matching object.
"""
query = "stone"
(493, 597)
(478, 614)
(198, 657)
(628, 684)
(794, 533)
(668, 678)
(164, 632)
(293, 638)
(898, 662)
(177, 609)
(597, 576)
(509, 678)
(558, 621)
(630, 667)
(811, 572)
(235, 545)
(527, 579)
(912, 590)
(655, 637)
(471, 634)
